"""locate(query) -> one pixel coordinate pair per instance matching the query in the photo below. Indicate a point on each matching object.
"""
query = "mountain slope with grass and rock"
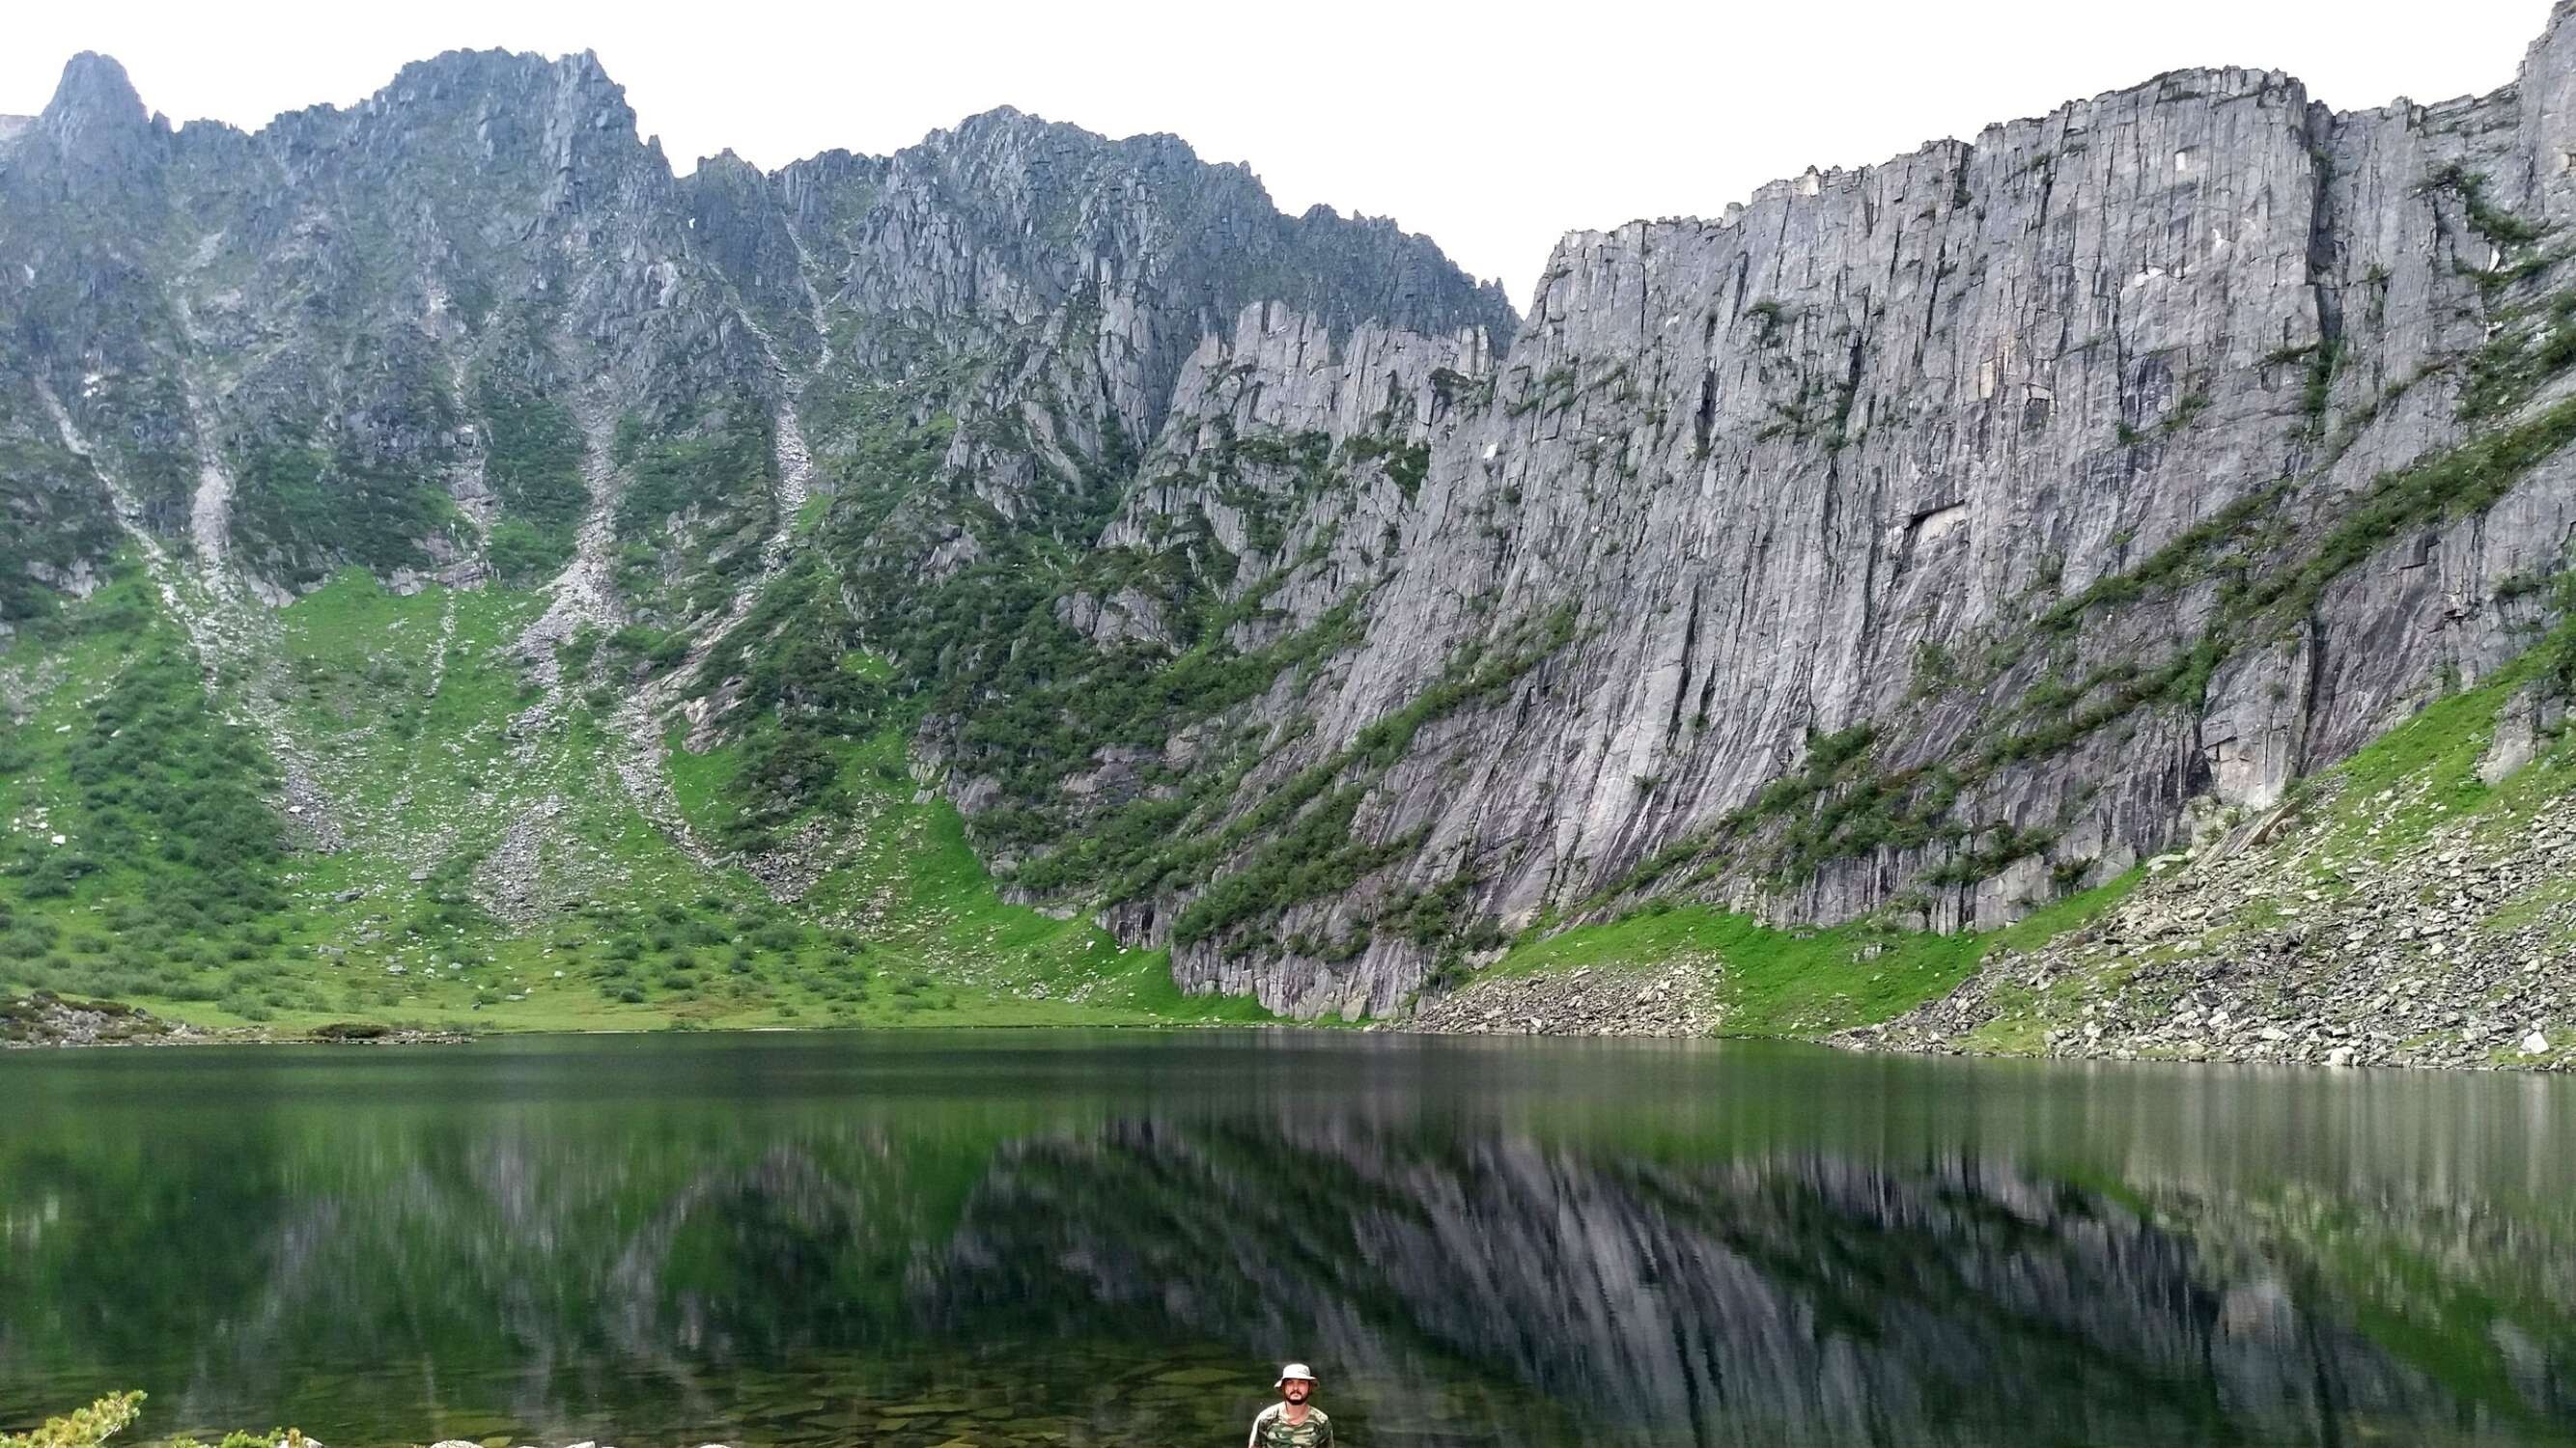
(459, 568)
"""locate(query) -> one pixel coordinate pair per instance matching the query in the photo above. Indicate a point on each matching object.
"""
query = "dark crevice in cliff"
(2324, 260)
(2311, 696)
(1690, 650)
(1932, 306)
(2324, 247)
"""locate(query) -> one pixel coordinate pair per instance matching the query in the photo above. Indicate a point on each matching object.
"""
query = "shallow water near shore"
(1103, 1237)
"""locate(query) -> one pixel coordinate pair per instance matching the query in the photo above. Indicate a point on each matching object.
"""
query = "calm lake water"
(1113, 1238)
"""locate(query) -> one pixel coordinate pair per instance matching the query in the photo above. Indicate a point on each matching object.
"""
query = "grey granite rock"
(1802, 467)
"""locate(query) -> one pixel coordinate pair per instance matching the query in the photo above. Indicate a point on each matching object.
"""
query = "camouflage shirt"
(1273, 1430)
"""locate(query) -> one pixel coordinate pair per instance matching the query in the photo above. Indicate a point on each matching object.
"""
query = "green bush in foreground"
(87, 1428)
(111, 1415)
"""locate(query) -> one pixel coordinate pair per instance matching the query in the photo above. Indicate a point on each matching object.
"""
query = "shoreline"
(42, 1020)
(1669, 1009)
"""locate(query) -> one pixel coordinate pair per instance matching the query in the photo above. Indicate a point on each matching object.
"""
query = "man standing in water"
(1290, 1423)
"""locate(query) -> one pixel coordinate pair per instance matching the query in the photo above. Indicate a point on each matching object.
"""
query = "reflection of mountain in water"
(1461, 1283)
(1812, 1300)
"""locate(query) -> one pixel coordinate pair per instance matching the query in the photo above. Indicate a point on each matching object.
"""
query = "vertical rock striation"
(1948, 491)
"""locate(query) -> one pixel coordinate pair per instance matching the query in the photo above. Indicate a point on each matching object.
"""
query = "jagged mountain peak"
(728, 162)
(1011, 123)
(1004, 117)
(1009, 132)
(581, 67)
(2562, 18)
(577, 79)
(94, 89)
(95, 119)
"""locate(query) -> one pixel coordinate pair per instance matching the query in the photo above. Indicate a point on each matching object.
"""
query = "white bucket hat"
(1294, 1370)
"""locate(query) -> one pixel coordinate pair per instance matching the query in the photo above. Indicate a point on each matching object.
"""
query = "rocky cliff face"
(1921, 541)
(1940, 536)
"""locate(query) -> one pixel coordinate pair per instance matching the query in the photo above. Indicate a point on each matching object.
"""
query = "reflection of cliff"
(1800, 1299)
(1464, 1282)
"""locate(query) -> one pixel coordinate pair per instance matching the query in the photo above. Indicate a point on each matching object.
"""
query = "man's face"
(1296, 1389)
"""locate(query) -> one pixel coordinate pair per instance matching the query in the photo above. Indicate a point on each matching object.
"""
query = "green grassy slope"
(1802, 981)
(2400, 824)
(493, 871)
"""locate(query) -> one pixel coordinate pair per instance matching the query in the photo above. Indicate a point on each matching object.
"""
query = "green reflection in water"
(1110, 1238)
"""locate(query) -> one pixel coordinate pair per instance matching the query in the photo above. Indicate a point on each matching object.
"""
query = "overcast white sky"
(1492, 127)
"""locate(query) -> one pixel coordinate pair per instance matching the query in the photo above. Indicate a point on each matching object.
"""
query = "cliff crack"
(1690, 650)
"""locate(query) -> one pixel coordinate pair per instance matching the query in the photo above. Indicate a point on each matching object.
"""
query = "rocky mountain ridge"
(1947, 535)
(1918, 543)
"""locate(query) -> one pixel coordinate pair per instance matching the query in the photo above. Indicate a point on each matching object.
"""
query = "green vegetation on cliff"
(1800, 981)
